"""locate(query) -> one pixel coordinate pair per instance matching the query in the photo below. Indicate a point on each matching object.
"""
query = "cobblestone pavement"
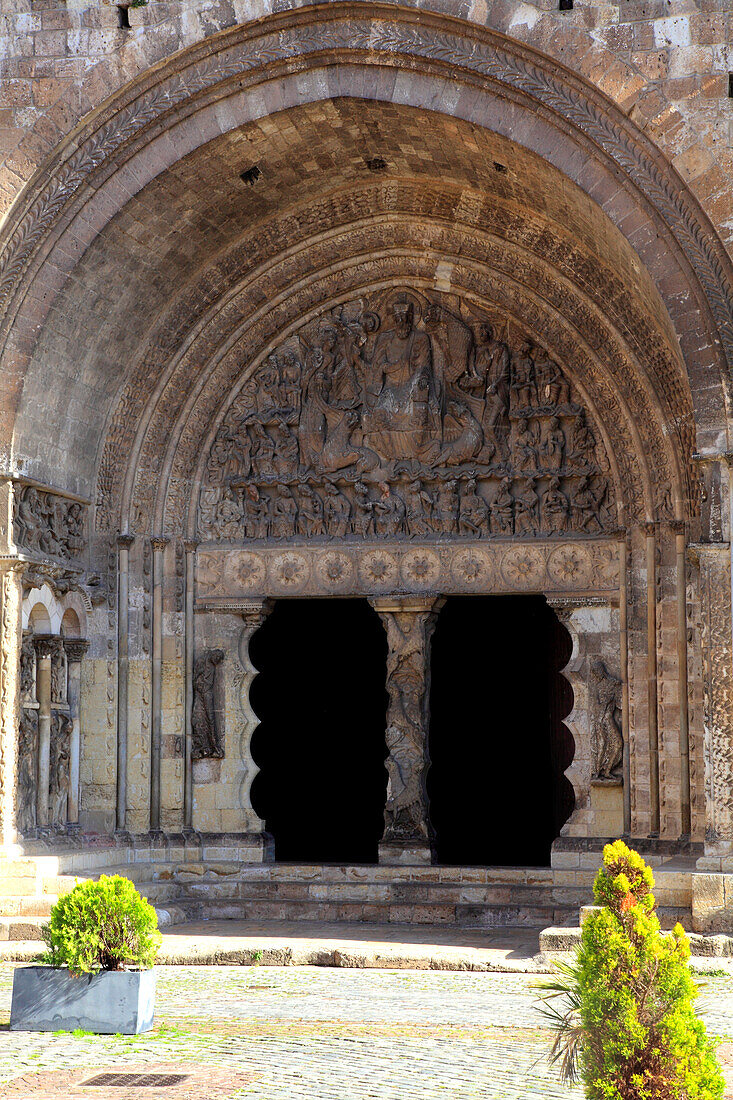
(284, 1033)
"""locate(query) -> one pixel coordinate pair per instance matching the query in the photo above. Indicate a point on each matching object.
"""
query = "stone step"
(557, 940)
(20, 928)
(484, 916)
(20, 906)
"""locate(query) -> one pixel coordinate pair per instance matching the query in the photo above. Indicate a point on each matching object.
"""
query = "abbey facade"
(413, 323)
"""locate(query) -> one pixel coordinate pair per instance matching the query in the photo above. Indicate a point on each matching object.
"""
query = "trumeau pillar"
(124, 542)
(409, 622)
(159, 544)
(75, 650)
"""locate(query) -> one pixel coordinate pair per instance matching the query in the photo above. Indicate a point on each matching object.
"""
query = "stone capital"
(46, 644)
(407, 604)
(254, 612)
(124, 542)
(190, 545)
(159, 542)
(75, 648)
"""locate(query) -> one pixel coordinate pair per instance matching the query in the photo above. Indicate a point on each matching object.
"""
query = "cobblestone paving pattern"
(333, 1034)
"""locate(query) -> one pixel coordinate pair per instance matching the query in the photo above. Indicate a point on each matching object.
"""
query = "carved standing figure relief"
(406, 816)
(61, 727)
(27, 765)
(379, 404)
(608, 738)
(206, 739)
(28, 669)
(58, 675)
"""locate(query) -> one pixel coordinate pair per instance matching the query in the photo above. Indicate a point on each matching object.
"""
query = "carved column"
(715, 598)
(682, 690)
(651, 604)
(75, 650)
(124, 542)
(189, 547)
(45, 647)
(159, 544)
(409, 622)
(11, 639)
(254, 613)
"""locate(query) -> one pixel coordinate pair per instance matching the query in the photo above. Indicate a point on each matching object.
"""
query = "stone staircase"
(217, 882)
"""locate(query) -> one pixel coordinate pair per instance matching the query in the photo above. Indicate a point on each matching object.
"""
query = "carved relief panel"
(406, 417)
(47, 524)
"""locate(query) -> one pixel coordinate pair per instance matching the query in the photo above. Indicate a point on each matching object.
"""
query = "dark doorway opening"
(498, 746)
(321, 701)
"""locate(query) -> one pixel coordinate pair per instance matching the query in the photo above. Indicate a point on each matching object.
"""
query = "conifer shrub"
(626, 1025)
(104, 925)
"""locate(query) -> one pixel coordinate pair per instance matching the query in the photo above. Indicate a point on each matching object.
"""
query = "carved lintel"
(409, 622)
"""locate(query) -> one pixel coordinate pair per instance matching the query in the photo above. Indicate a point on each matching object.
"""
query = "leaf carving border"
(386, 31)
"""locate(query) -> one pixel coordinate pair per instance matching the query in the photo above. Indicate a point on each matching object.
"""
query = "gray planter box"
(111, 1002)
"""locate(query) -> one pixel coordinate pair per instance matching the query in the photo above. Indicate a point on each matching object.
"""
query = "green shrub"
(102, 925)
(627, 1026)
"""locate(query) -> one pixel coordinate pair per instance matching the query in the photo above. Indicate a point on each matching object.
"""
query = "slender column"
(409, 622)
(189, 641)
(124, 542)
(75, 650)
(45, 645)
(623, 615)
(159, 544)
(682, 691)
(651, 629)
(11, 640)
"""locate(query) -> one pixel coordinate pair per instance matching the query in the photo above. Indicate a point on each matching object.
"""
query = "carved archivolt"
(398, 417)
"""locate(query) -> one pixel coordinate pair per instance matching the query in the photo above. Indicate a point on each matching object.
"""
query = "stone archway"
(520, 197)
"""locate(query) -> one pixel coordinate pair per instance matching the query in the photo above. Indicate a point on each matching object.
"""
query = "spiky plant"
(622, 1011)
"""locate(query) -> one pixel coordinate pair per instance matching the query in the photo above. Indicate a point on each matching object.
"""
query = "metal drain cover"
(136, 1080)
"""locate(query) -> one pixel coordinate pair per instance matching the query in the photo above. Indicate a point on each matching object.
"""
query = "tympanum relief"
(406, 417)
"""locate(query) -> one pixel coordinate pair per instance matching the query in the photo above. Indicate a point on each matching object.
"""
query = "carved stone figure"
(394, 398)
(406, 817)
(527, 509)
(58, 675)
(553, 390)
(362, 516)
(48, 524)
(27, 764)
(336, 511)
(28, 669)
(609, 742)
(555, 508)
(473, 513)
(523, 389)
(491, 377)
(206, 739)
(284, 514)
(502, 510)
(310, 515)
(553, 447)
(61, 727)
(389, 513)
(525, 446)
(448, 506)
(402, 419)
